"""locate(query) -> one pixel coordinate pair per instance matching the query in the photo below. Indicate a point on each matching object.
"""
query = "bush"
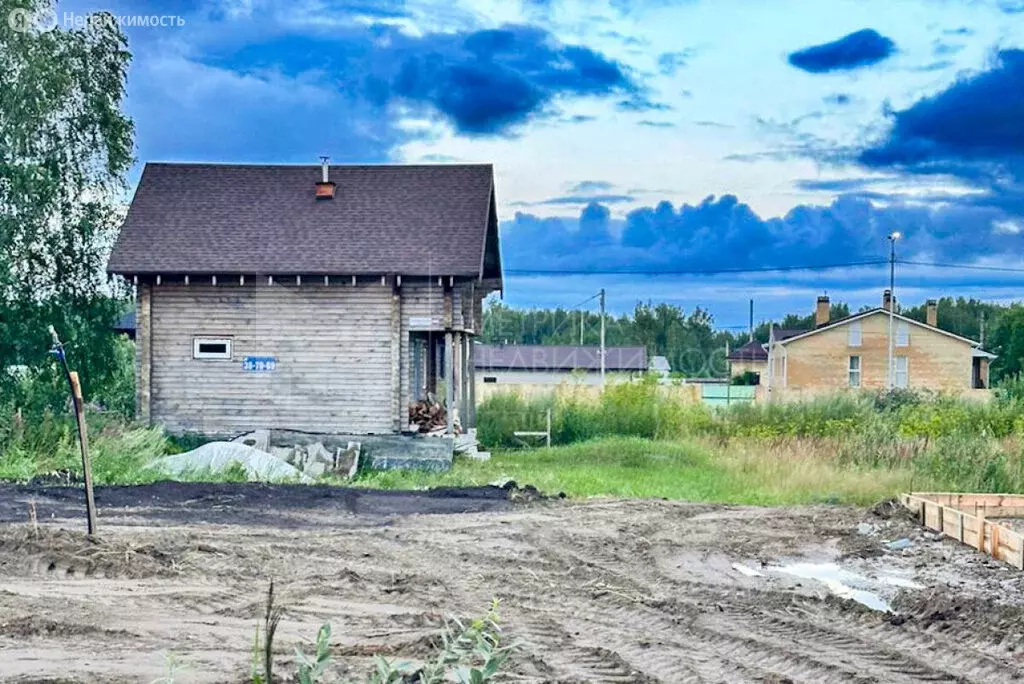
(970, 463)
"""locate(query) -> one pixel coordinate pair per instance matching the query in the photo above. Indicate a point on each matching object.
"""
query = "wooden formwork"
(968, 519)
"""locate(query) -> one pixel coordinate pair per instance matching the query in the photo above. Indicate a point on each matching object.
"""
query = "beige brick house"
(852, 353)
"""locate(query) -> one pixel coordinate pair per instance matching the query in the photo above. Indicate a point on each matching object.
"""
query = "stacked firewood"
(430, 416)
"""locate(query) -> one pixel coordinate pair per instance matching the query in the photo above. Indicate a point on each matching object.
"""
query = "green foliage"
(1007, 340)
(503, 414)
(971, 463)
(66, 150)
(689, 342)
(746, 378)
(48, 443)
(311, 670)
(470, 653)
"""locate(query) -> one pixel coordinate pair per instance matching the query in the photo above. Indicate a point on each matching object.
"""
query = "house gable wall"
(821, 361)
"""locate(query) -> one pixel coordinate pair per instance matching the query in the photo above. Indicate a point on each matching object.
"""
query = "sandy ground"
(595, 591)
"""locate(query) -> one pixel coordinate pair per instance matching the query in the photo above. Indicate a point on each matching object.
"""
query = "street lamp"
(893, 237)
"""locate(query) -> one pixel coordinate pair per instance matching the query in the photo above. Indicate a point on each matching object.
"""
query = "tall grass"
(641, 410)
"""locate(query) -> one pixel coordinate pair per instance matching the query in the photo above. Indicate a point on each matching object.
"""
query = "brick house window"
(901, 374)
(855, 334)
(902, 334)
(854, 371)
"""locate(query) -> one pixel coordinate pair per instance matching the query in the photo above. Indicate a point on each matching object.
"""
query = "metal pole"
(751, 320)
(582, 314)
(602, 340)
(892, 304)
(981, 336)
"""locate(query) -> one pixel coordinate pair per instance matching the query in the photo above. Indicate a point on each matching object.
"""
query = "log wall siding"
(143, 353)
(333, 351)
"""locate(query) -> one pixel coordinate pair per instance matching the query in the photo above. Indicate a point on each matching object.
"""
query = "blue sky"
(643, 136)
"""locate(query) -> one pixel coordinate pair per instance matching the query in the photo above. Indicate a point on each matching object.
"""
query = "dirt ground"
(593, 591)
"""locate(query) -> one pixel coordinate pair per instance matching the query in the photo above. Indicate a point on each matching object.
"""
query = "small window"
(854, 371)
(489, 379)
(902, 334)
(856, 333)
(211, 348)
(901, 376)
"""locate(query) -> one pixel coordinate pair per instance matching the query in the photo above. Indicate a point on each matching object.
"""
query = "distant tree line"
(694, 348)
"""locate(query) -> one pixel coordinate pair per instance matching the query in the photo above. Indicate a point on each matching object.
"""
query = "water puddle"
(868, 591)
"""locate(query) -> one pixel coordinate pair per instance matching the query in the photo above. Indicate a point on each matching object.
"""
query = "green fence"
(724, 395)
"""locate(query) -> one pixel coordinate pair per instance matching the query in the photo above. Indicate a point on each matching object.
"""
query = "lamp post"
(893, 237)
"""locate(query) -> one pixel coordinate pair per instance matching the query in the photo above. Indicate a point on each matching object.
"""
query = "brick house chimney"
(821, 311)
(887, 299)
(325, 188)
(931, 316)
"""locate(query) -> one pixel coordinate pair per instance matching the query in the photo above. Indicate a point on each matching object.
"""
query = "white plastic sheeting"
(217, 457)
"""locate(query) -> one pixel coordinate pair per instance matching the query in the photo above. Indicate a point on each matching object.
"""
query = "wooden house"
(316, 298)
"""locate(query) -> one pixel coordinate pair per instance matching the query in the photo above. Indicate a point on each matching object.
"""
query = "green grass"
(742, 472)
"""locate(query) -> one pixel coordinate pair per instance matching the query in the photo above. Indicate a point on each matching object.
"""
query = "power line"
(714, 271)
(971, 267)
(759, 269)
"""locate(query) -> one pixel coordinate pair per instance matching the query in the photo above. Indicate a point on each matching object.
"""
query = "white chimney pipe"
(323, 167)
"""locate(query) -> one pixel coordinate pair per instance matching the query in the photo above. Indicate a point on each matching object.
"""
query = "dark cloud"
(840, 99)
(860, 49)
(974, 123)
(656, 124)
(723, 230)
(485, 82)
(488, 81)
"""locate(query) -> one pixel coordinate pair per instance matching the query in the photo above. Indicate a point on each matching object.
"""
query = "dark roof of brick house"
(430, 220)
(558, 358)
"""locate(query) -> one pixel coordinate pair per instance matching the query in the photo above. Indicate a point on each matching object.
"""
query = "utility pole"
(981, 340)
(582, 314)
(751, 320)
(893, 237)
(602, 339)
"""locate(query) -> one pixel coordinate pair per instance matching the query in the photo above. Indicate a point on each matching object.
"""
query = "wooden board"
(969, 523)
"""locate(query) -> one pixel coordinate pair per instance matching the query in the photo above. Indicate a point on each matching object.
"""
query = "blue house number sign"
(259, 364)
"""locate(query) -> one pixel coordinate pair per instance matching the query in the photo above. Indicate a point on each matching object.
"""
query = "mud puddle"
(873, 592)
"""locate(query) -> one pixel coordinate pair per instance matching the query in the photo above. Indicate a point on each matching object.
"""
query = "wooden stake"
(83, 438)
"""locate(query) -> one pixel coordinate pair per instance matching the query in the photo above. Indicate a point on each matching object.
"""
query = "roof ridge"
(288, 165)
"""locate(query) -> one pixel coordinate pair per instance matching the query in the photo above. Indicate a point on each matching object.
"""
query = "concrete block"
(257, 439)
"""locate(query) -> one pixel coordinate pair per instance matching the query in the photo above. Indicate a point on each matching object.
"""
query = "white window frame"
(902, 334)
(857, 372)
(201, 355)
(855, 334)
(904, 372)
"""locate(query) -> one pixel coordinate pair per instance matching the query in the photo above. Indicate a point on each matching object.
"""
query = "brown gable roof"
(751, 351)
(870, 312)
(549, 358)
(264, 219)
